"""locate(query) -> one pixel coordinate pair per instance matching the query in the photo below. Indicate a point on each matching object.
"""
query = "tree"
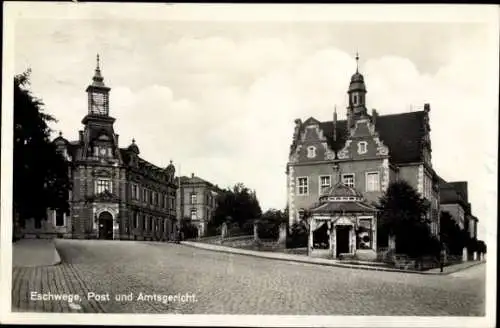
(269, 223)
(41, 179)
(403, 215)
(481, 246)
(452, 235)
(238, 206)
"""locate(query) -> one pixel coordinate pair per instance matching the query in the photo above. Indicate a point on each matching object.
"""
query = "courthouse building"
(116, 194)
(338, 170)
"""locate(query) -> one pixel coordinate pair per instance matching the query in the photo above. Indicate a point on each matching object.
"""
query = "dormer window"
(311, 152)
(362, 147)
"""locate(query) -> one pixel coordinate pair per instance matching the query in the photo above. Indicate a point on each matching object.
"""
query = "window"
(59, 218)
(136, 220)
(135, 191)
(324, 183)
(364, 235)
(143, 222)
(348, 179)
(144, 195)
(302, 186)
(193, 198)
(103, 185)
(155, 198)
(362, 147)
(208, 215)
(355, 99)
(372, 181)
(165, 201)
(193, 214)
(311, 152)
(172, 203)
(38, 223)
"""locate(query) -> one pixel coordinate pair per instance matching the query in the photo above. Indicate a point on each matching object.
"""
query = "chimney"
(427, 108)
(192, 175)
(335, 124)
(374, 116)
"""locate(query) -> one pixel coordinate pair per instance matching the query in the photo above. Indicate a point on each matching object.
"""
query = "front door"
(105, 226)
(342, 239)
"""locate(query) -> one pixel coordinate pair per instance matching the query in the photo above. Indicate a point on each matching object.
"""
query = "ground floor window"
(364, 234)
(321, 238)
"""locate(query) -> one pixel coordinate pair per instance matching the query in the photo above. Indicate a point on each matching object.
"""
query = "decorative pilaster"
(310, 240)
(420, 179)
(385, 174)
(291, 195)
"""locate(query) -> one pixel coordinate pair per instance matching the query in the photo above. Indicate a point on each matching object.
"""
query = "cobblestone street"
(235, 284)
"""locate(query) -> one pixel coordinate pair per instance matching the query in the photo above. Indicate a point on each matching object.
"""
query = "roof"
(347, 206)
(194, 180)
(401, 133)
(342, 190)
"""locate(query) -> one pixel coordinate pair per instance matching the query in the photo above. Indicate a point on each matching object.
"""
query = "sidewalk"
(328, 262)
(34, 252)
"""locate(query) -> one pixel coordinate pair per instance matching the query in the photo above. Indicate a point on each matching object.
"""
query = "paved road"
(235, 284)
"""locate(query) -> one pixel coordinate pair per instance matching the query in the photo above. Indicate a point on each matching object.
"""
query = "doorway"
(105, 226)
(343, 242)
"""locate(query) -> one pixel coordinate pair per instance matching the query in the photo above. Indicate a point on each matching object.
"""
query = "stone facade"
(115, 193)
(454, 200)
(197, 201)
(370, 151)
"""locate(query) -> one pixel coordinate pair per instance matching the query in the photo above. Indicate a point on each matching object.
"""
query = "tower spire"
(98, 79)
(357, 62)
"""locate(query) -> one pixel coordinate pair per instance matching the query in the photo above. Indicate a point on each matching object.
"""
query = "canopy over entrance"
(348, 221)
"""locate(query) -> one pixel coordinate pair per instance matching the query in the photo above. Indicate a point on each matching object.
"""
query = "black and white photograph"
(249, 164)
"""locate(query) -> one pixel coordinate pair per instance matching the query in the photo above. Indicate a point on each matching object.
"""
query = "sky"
(219, 97)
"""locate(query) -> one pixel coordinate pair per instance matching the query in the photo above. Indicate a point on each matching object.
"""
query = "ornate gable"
(311, 144)
(363, 141)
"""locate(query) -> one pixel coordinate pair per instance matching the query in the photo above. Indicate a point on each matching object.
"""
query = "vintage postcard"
(249, 165)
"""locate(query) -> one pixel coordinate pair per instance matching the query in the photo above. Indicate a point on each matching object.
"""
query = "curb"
(324, 262)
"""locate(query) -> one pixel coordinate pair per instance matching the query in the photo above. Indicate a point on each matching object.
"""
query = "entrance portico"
(349, 221)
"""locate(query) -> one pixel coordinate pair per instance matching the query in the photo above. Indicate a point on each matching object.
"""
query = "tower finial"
(357, 62)
(97, 67)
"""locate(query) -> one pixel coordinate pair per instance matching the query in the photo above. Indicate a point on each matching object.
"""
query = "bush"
(189, 230)
(298, 236)
(267, 229)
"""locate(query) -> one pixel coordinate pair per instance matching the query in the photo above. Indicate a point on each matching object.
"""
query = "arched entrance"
(105, 225)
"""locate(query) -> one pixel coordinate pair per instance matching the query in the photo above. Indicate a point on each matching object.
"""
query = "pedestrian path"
(34, 252)
(363, 265)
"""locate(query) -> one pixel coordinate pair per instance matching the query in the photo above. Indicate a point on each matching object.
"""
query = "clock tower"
(98, 136)
(98, 94)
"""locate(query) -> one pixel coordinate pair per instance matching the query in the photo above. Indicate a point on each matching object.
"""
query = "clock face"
(103, 151)
(98, 103)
